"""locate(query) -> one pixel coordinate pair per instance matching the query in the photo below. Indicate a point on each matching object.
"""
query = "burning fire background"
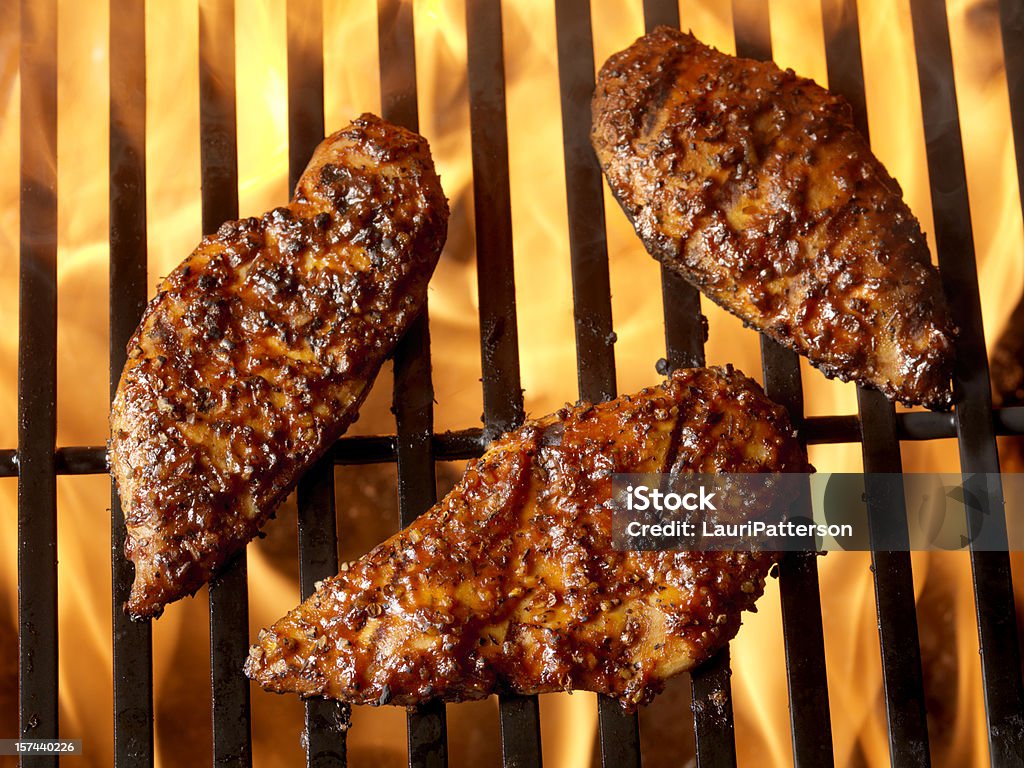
(367, 507)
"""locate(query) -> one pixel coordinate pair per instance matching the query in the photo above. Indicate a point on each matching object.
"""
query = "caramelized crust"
(257, 351)
(754, 185)
(511, 583)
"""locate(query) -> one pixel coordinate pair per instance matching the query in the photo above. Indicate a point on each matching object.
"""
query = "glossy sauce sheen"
(754, 185)
(511, 582)
(258, 350)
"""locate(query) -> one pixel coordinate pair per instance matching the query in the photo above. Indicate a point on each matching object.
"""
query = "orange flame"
(945, 605)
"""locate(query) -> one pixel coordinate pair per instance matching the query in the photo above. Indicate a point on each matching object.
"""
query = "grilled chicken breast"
(754, 185)
(511, 582)
(257, 351)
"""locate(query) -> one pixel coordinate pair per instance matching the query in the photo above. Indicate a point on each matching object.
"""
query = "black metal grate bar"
(712, 712)
(893, 575)
(685, 333)
(993, 588)
(229, 600)
(305, 84)
(894, 587)
(37, 462)
(37, 380)
(469, 443)
(752, 29)
(803, 633)
(685, 326)
(427, 728)
(326, 722)
(595, 354)
(1011, 13)
(619, 734)
(132, 641)
(499, 343)
(800, 596)
(588, 247)
(499, 338)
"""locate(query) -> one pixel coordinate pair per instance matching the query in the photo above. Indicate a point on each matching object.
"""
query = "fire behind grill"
(415, 447)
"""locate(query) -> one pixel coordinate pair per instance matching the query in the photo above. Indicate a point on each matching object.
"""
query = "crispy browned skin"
(257, 351)
(511, 582)
(754, 185)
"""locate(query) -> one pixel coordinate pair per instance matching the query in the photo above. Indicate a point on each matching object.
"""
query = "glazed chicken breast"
(511, 583)
(754, 185)
(257, 351)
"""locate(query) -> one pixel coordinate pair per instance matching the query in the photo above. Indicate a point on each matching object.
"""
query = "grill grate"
(894, 580)
(318, 541)
(229, 592)
(414, 446)
(132, 641)
(499, 344)
(803, 633)
(37, 380)
(954, 242)
(414, 390)
(619, 734)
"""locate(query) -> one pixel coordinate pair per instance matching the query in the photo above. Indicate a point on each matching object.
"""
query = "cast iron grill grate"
(415, 447)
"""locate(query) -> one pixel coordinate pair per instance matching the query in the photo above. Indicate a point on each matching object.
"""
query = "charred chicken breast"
(754, 185)
(258, 350)
(511, 583)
